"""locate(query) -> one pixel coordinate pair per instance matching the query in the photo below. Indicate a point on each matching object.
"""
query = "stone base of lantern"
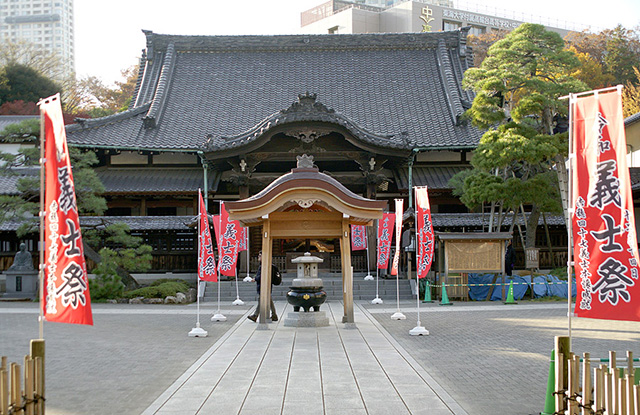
(307, 319)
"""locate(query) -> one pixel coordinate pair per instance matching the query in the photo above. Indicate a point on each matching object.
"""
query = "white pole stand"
(247, 279)
(369, 278)
(376, 300)
(238, 301)
(419, 331)
(218, 317)
(198, 332)
(398, 316)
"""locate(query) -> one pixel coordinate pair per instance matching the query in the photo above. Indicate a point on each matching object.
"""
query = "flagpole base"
(247, 279)
(198, 332)
(218, 317)
(377, 300)
(369, 278)
(238, 301)
(398, 316)
(419, 331)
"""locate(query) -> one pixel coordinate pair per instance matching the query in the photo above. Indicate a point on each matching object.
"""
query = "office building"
(47, 24)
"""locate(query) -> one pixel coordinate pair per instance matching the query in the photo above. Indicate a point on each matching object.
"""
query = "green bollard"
(427, 293)
(549, 400)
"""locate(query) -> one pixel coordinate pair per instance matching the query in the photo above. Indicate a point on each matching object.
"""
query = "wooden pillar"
(143, 207)
(265, 275)
(347, 272)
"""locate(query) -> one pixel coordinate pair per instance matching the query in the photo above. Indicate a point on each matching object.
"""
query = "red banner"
(206, 260)
(358, 237)
(243, 238)
(385, 231)
(396, 256)
(65, 294)
(227, 242)
(605, 244)
(424, 232)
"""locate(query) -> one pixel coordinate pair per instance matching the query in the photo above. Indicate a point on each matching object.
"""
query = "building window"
(477, 30)
(449, 25)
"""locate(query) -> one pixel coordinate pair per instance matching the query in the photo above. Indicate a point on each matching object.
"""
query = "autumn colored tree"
(631, 96)
(481, 44)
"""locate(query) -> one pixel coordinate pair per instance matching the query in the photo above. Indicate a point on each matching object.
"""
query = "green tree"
(25, 83)
(631, 96)
(517, 89)
(109, 245)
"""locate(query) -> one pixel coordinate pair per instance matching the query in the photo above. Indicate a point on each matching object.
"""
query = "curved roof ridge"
(157, 106)
(136, 91)
(84, 123)
(362, 41)
(447, 76)
(307, 109)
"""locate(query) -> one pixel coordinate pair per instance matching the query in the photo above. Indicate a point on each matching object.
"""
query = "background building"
(396, 16)
(48, 24)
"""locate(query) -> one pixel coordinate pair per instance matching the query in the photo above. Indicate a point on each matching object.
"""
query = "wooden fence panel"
(16, 399)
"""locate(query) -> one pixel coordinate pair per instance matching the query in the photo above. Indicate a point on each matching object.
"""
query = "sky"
(109, 34)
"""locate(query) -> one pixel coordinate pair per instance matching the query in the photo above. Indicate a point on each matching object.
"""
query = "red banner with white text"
(604, 233)
(424, 232)
(65, 294)
(228, 240)
(396, 256)
(385, 235)
(358, 237)
(206, 260)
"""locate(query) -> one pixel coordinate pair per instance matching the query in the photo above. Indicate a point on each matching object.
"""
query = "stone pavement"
(480, 358)
(286, 370)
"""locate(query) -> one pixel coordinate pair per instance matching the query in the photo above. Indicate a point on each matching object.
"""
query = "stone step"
(362, 290)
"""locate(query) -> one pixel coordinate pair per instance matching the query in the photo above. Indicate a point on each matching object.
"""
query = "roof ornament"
(305, 162)
(307, 103)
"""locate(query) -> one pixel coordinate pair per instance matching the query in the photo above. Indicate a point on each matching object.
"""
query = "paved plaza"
(479, 358)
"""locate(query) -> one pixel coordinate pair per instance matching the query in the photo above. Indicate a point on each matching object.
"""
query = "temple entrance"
(306, 204)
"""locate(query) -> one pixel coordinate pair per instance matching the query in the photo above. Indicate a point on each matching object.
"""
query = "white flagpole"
(237, 301)
(418, 330)
(369, 277)
(218, 316)
(377, 300)
(42, 214)
(248, 277)
(571, 207)
(398, 314)
(197, 331)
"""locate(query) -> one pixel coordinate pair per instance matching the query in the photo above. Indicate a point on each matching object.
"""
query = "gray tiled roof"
(632, 119)
(434, 177)
(152, 180)
(135, 223)
(203, 91)
(478, 220)
(6, 120)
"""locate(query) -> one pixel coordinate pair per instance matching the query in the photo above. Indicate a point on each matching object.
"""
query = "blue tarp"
(541, 287)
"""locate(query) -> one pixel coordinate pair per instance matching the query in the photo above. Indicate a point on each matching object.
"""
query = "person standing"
(509, 258)
(256, 313)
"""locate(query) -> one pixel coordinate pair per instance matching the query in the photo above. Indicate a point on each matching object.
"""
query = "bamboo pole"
(636, 399)
(16, 395)
(629, 395)
(37, 353)
(560, 390)
(28, 385)
(574, 365)
(622, 394)
(4, 388)
(608, 392)
(598, 388)
(39, 384)
(587, 401)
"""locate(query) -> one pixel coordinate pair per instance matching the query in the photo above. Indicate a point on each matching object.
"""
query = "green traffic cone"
(549, 400)
(427, 293)
(445, 297)
(510, 299)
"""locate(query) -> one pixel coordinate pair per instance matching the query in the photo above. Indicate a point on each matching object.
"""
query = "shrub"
(159, 290)
(106, 287)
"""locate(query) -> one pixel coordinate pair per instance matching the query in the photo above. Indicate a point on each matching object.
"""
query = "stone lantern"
(306, 294)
